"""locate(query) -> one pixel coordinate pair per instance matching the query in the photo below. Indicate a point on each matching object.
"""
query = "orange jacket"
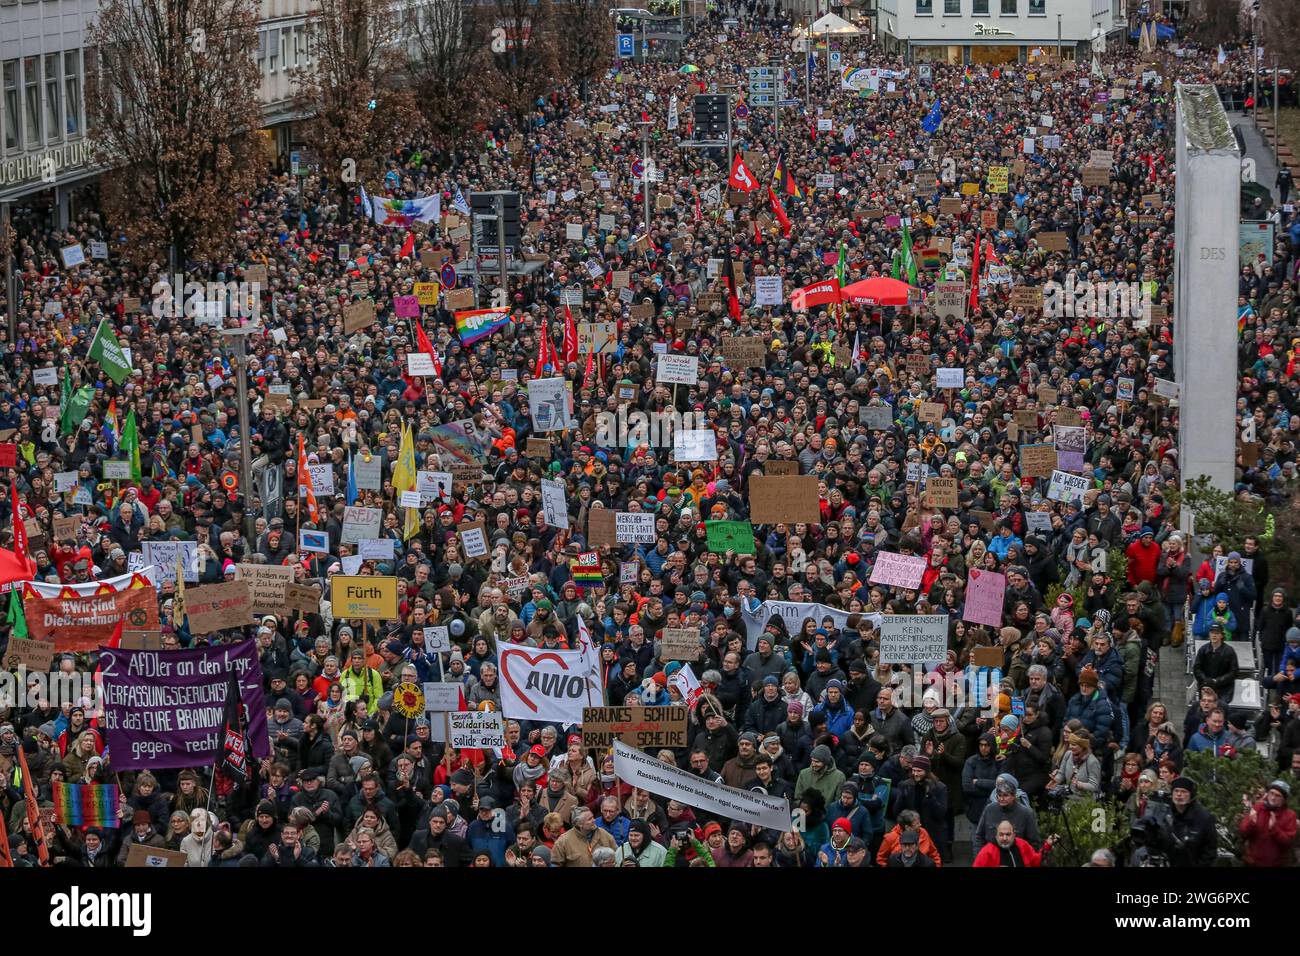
(889, 846)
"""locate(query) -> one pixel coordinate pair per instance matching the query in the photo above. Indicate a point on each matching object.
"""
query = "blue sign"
(626, 45)
(449, 276)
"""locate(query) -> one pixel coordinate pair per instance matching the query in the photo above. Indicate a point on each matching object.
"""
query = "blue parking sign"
(626, 45)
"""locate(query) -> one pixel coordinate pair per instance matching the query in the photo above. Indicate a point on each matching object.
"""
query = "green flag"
(16, 619)
(105, 350)
(75, 410)
(909, 260)
(131, 444)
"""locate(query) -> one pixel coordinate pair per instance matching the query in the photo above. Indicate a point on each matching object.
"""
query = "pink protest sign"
(984, 593)
(406, 306)
(898, 570)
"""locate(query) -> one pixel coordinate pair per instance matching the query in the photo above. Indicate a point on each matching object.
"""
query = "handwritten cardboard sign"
(784, 498)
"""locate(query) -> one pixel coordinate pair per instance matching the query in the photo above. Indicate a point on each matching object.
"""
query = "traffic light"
(485, 204)
(711, 115)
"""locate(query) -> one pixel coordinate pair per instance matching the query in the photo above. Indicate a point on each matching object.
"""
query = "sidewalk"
(1257, 149)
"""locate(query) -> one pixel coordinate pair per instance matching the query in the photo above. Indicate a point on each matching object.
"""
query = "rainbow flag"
(474, 324)
(587, 571)
(86, 805)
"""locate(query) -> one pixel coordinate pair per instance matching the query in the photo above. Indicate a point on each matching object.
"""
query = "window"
(1009, 8)
(90, 68)
(273, 47)
(72, 90)
(53, 98)
(11, 108)
(925, 8)
(1038, 8)
(980, 8)
(32, 100)
(952, 8)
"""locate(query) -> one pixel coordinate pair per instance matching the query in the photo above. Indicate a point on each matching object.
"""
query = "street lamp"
(239, 351)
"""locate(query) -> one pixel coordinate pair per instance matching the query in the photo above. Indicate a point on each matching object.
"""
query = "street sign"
(759, 99)
(790, 103)
(294, 159)
(626, 46)
(448, 276)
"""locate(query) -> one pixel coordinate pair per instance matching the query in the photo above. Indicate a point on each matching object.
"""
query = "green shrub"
(1221, 782)
(1081, 827)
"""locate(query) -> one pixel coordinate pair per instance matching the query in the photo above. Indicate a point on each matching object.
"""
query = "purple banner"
(167, 708)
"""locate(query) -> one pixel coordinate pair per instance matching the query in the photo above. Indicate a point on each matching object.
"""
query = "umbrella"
(878, 291)
(689, 68)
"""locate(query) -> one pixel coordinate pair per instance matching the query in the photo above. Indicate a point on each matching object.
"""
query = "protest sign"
(772, 467)
(602, 528)
(724, 536)
(913, 638)
(166, 709)
(360, 523)
(143, 856)
(555, 506)
(548, 404)
(949, 377)
(473, 538)
(1067, 487)
(302, 597)
(483, 730)
(635, 726)
(1037, 461)
(215, 607)
(437, 639)
(677, 370)
(377, 549)
(987, 656)
(82, 623)
(679, 644)
(744, 351)
(635, 528)
(749, 806)
(370, 597)
(784, 499)
(898, 570)
(34, 655)
(696, 444)
(266, 584)
(984, 594)
(942, 492)
(876, 417)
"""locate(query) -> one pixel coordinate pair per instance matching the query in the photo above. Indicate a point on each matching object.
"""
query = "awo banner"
(167, 708)
(541, 684)
(83, 623)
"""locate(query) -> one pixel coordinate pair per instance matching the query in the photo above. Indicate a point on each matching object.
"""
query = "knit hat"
(842, 824)
(794, 707)
(1282, 787)
(922, 761)
(1010, 721)
(1088, 677)
(143, 816)
(1006, 783)
(823, 754)
(835, 684)
(1184, 783)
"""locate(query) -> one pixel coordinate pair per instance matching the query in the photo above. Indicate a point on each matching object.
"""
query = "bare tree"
(523, 40)
(354, 93)
(586, 40)
(1220, 22)
(448, 53)
(174, 116)
(1279, 33)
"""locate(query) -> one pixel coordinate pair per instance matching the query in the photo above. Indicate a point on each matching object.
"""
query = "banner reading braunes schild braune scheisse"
(167, 708)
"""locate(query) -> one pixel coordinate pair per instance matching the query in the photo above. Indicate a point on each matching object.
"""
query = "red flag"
(779, 211)
(758, 234)
(6, 861)
(20, 529)
(975, 279)
(34, 818)
(741, 178)
(826, 292)
(423, 344)
(699, 214)
(570, 337)
(304, 481)
(586, 374)
(408, 247)
(539, 368)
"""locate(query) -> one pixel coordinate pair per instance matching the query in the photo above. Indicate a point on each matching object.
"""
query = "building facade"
(45, 150)
(993, 31)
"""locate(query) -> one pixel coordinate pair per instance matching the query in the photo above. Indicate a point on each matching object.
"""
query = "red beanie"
(843, 824)
(661, 679)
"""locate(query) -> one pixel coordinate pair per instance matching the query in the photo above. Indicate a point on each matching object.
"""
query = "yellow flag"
(404, 480)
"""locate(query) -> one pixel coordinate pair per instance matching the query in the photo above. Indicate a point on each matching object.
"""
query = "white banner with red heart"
(547, 685)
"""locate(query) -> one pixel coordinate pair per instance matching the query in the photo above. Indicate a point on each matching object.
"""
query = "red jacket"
(1270, 837)
(1142, 562)
(991, 854)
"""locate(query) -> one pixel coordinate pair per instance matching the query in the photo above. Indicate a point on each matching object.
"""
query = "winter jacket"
(1217, 668)
(947, 766)
(1096, 714)
(929, 798)
(1030, 757)
(1270, 837)
(889, 846)
(978, 776)
(992, 855)
(1021, 817)
(1240, 588)
(763, 716)
(1109, 668)
(1189, 837)
(839, 720)
(1203, 740)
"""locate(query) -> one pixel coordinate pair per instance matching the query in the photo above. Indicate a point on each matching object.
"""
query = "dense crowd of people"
(1100, 585)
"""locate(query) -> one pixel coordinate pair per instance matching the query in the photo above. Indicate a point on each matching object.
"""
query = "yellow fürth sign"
(363, 596)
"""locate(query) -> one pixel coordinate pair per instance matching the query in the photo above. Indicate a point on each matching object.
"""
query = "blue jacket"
(1094, 712)
(1000, 545)
(1203, 740)
(839, 721)
(618, 829)
(1110, 670)
(836, 857)
(874, 798)
(482, 838)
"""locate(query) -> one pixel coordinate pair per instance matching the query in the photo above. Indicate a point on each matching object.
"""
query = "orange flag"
(34, 818)
(305, 488)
